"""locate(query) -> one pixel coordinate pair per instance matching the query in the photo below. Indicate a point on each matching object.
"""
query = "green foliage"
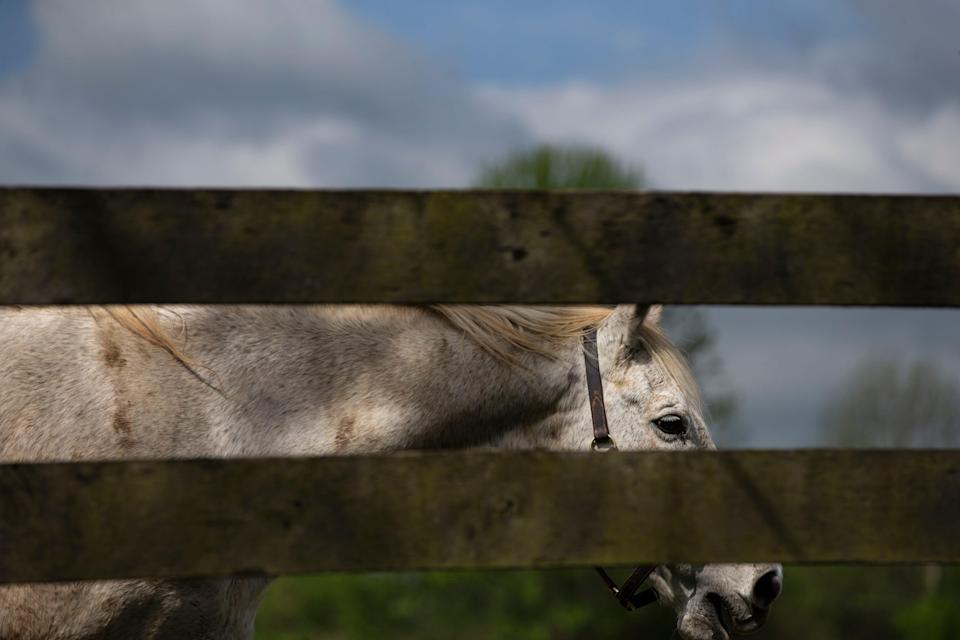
(842, 603)
(561, 167)
(521, 605)
(932, 618)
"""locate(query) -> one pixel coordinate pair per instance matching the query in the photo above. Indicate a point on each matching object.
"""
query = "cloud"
(302, 93)
(243, 92)
(872, 108)
(749, 129)
(910, 55)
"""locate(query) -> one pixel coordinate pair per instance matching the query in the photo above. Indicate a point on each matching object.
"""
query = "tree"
(889, 403)
(560, 167)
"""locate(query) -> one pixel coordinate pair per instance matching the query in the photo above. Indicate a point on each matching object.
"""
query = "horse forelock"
(671, 360)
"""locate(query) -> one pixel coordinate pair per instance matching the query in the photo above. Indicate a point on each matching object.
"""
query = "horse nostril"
(766, 589)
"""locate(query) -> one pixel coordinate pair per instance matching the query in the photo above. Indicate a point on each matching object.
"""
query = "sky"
(800, 95)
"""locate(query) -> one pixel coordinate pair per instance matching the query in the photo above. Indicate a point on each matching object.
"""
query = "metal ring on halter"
(603, 444)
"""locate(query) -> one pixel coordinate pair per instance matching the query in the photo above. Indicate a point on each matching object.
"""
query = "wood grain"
(207, 246)
(478, 510)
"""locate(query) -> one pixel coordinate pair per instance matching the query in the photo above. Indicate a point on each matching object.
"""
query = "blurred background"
(801, 95)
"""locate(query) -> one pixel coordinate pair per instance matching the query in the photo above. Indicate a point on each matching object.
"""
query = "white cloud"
(755, 129)
(244, 92)
(935, 145)
(873, 110)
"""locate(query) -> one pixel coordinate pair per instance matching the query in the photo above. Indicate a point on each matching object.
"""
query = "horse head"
(653, 403)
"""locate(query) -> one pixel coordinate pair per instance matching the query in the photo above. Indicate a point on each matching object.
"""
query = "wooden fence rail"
(483, 510)
(136, 245)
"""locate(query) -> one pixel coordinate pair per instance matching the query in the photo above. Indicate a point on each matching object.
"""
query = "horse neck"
(533, 402)
(354, 379)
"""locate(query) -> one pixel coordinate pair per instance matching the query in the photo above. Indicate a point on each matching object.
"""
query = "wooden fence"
(484, 510)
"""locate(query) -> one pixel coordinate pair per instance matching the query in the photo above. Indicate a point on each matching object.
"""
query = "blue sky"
(17, 35)
(539, 42)
(551, 41)
(800, 95)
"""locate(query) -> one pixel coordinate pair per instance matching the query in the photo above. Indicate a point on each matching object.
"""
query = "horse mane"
(143, 321)
(500, 330)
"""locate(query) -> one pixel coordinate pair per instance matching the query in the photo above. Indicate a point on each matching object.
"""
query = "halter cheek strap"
(598, 410)
(625, 593)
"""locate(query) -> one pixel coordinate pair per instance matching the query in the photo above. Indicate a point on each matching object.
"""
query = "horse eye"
(672, 425)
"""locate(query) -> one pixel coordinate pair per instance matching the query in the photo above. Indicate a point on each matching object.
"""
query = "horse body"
(204, 381)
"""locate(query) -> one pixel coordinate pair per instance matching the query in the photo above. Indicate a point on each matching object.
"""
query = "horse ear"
(629, 318)
(649, 314)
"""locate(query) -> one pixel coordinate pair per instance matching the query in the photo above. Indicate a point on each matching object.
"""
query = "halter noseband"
(625, 593)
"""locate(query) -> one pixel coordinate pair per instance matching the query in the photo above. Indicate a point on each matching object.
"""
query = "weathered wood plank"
(485, 510)
(112, 245)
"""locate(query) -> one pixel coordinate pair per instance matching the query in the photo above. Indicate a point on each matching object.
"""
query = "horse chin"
(704, 621)
(700, 627)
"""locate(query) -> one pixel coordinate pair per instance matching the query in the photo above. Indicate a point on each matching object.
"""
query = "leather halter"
(625, 593)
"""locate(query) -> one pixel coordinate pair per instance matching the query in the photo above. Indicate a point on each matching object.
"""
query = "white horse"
(97, 383)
